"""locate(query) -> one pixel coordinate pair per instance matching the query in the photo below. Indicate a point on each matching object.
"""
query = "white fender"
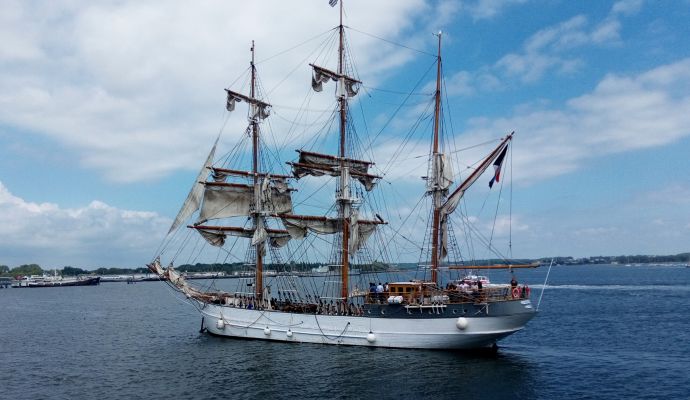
(267, 331)
(220, 324)
(371, 338)
(462, 323)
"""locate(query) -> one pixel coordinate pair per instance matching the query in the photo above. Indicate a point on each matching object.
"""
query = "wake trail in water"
(682, 288)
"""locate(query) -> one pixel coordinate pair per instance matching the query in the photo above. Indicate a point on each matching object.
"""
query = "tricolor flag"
(497, 167)
(332, 2)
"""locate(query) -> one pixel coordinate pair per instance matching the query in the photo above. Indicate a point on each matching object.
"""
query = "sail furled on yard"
(298, 226)
(350, 86)
(360, 230)
(317, 164)
(258, 109)
(216, 235)
(443, 172)
(191, 204)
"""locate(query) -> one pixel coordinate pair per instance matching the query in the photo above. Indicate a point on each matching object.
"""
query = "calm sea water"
(603, 332)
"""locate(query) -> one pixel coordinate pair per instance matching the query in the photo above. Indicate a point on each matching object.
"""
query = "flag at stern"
(497, 167)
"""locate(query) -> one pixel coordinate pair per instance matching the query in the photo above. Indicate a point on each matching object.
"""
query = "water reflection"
(321, 371)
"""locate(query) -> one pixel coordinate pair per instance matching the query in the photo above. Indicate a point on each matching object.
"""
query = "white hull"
(428, 333)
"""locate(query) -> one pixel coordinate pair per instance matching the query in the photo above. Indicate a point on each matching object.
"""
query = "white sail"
(226, 201)
(191, 204)
(454, 199)
(316, 164)
(359, 233)
(298, 227)
(442, 171)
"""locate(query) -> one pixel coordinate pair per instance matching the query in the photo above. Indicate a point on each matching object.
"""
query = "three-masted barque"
(254, 207)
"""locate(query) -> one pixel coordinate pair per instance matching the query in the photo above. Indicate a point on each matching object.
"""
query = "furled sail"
(443, 172)
(191, 204)
(216, 235)
(298, 226)
(323, 75)
(258, 108)
(317, 164)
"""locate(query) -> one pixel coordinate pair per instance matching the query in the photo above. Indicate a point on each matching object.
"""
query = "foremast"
(266, 195)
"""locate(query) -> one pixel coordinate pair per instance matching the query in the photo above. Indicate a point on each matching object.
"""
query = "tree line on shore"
(230, 268)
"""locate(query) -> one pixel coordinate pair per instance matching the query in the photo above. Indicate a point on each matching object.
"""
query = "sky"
(108, 109)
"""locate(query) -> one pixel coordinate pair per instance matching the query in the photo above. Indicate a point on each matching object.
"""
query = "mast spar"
(437, 189)
(257, 218)
(344, 201)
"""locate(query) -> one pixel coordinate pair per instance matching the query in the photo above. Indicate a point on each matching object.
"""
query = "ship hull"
(436, 332)
(58, 283)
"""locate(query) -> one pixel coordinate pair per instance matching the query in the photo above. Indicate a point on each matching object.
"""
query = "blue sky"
(107, 111)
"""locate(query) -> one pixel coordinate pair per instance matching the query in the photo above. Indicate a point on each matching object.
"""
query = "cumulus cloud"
(486, 9)
(544, 52)
(622, 113)
(135, 89)
(91, 236)
(547, 49)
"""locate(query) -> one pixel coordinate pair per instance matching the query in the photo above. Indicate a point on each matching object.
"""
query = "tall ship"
(277, 212)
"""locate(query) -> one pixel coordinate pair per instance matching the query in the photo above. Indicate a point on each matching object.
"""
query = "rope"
(329, 337)
(544, 285)
(391, 42)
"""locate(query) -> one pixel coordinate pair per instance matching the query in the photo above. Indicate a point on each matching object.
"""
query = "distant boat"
(39, 281)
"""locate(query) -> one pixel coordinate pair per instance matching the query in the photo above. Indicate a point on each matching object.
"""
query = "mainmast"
(344, 200)
(257, 217)
(437, 189)
(352, 230)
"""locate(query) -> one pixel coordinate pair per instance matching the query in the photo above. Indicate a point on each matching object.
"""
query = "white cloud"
(134, 89)
(91, 236)
(622, 113)
(547, 49)
(485, 9)
(627, 7)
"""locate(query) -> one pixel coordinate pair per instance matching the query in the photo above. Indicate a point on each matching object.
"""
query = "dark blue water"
(603, 332)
